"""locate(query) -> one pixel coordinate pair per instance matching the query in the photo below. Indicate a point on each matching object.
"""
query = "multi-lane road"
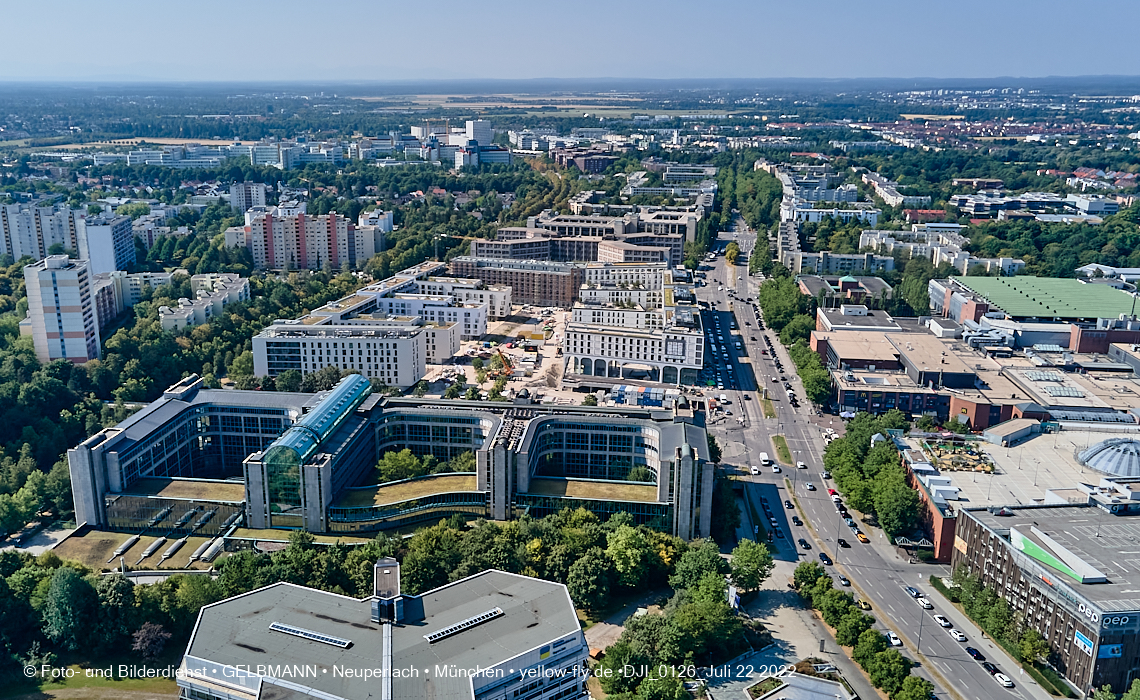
(878, 574)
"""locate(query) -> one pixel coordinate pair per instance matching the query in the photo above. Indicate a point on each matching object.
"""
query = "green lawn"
(783, 454)
(97, 685)
(769, 409)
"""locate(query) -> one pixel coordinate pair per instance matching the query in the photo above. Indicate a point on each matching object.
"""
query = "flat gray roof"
(236, 632)
(1108, 543)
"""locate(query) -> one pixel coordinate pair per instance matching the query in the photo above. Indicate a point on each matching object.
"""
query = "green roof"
(1050, 297)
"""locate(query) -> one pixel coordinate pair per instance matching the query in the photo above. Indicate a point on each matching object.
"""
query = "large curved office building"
(307, 461)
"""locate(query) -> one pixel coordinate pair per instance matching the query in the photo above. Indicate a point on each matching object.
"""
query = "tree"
(1133, 692)
(915, 688)
(396, 466)
(1103, 693)
(870, 643)
(242, 365)
(589, 580)
(702, 558)
(799, 328)
(714, 449)
(615, 675)
(806, 574)
(853, 624)
(887, 670)
(116, 607)
(590, 400)
(896, 506)
(477, 363)
(71, 602)
(289, 380)
(628, 548)
(751, 564)
(711, 588)
(731, 252)
(1032, 646)
(150, 640)
(662, 686)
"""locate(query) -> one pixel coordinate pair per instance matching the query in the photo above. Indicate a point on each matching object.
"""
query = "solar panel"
(1064, 391)
(1045, 376)
(310, 635)
(1048, 347)
(463, 625)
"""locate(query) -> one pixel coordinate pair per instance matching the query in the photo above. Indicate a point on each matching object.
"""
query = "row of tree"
(887, 668)
(869, 473)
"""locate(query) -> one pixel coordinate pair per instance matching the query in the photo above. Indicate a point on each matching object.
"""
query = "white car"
(942, 621)
(958, 636)
(1003, 679)
(893, 639)
(775, 469)
(755, 471)
(801, 465)
(924, 603)
(809, 486)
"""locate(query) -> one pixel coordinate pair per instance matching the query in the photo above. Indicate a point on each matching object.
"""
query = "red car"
(831, 492)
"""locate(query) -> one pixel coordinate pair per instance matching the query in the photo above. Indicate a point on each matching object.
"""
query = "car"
(958, 636)
(837, 499)
(831, 492)
(788, 505)
(825, 559)
(862, 538)
(772, 520)
(1003, 680)
(803, 543)
(990, 668)
(912, 591)
(893, 639)
(975, 654)
(849, 520)
(842, 543)
(778, 533)
(747, 397)
(755, 470)
(942, 621)
(809, 486)
(826, 475)
(796, 520)
(844, 581)
(863, 605)
(801, 465)
(775, 469)
(924, 603)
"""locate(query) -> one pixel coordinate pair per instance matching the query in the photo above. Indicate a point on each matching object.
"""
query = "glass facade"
(593, 450)
(410, 512)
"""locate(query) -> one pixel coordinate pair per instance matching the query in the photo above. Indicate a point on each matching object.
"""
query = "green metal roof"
(1048, 297)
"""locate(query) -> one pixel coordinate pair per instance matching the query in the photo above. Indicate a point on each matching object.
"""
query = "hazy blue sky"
(240, 40)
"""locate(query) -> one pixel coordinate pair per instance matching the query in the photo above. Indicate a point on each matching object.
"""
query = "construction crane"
(507, 369)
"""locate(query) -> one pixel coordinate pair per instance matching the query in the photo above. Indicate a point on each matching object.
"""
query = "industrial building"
(290, 460)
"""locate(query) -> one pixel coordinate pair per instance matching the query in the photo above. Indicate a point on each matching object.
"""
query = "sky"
(354, 40)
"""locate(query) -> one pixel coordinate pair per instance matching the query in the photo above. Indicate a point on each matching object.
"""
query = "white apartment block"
(395, 356)
(212, 292)
(384, 220)
(618, 316)
(106, 242)
(31, 230)
(662, 343)
(245, 195)
(826, 263)
(442, 341)
(470, 291)
(61, 310)
(939, 243)
(889, 193)
(802, 211)
(646, 275)
(471, 318)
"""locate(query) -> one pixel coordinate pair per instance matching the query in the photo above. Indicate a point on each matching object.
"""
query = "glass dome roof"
(1115, 456)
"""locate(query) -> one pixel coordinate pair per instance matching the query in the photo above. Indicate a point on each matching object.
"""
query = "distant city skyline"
(353, 40)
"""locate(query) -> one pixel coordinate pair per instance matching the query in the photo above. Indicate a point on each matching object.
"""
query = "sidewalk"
(992, 651)
(796, 634)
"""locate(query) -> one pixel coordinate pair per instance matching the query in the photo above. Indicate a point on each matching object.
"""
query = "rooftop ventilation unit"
(463, 625)
(310, 635)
